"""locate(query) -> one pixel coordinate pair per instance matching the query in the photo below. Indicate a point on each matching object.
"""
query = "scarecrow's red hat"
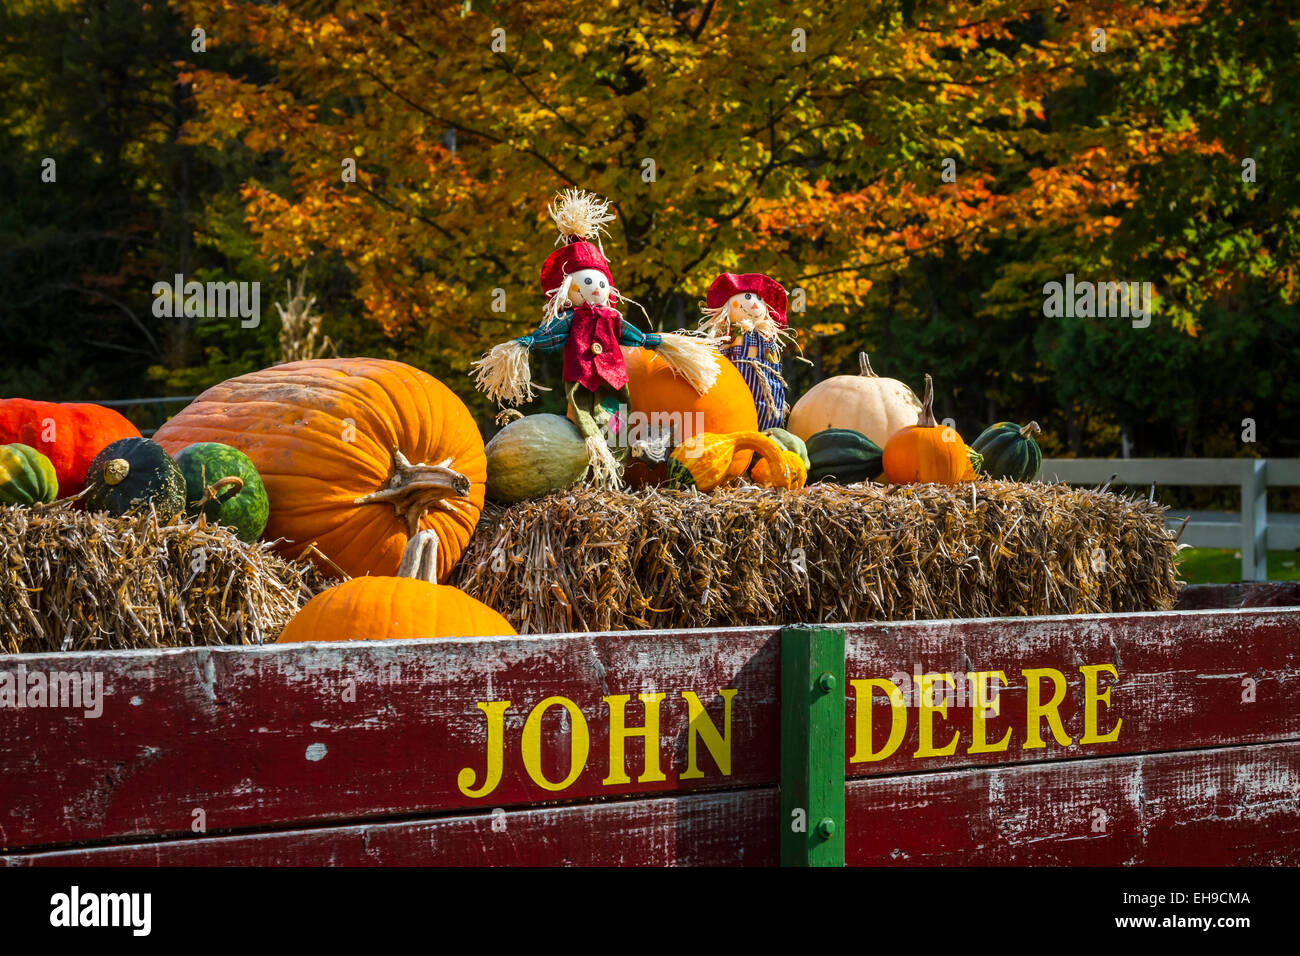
(765, 287)
(568, 259)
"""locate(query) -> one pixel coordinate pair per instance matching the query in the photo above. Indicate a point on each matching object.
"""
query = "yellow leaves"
(566, 102)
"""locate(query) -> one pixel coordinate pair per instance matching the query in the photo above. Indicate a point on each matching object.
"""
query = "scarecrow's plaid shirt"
(551, 336)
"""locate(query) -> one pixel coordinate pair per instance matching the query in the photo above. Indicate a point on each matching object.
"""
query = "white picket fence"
(1251, 529)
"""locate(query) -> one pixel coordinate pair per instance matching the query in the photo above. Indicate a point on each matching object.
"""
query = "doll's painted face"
(746, 310)
(589, 287)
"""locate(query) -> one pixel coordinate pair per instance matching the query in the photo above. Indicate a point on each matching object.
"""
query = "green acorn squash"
(843, 456)
(534, 456)
(26, 476)
(131, 473)
(223, 484)
(1010, 451)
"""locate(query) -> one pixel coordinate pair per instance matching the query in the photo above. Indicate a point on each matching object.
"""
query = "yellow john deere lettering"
(1044, 690)
(699, 727)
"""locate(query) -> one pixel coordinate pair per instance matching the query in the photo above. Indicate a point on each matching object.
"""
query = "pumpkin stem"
(864, 366)
(414, 489)
(213, 491)
(420, 557)
(115, 471)
(926, 418)
(1031, 428)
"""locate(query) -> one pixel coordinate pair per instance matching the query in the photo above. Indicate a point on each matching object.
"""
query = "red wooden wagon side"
(1161, 738)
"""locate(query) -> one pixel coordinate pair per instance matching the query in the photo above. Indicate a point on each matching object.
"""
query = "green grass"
(1223, 566)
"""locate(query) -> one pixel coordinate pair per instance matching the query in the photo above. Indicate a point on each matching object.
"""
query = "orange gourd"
(927, 451)
(357, 455)
(409, 606)
(794, 475)
(708, 458)
(728, 406)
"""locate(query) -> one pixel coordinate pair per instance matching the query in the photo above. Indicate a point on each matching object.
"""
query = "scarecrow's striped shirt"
(762, 375)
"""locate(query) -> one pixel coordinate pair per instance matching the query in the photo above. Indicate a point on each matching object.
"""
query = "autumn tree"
(826, 145)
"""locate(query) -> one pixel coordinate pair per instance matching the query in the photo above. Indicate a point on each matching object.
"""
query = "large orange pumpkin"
(728, 406)
(357, 455)
(406, 607)
(927, 451)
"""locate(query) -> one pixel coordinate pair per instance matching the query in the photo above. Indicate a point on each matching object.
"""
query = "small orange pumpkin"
(411, 605)
(927, 451)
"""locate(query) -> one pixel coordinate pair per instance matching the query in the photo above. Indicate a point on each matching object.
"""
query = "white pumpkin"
(875, 406)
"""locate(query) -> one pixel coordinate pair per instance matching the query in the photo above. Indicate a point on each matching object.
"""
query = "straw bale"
(70, 580)
(589, 560)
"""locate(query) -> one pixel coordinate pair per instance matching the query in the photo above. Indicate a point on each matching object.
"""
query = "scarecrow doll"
(580, 319)
(748, 312)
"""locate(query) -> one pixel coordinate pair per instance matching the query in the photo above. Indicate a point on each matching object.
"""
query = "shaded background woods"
(822, 166)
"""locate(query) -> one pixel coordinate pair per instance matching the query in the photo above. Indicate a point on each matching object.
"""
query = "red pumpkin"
(69, 435)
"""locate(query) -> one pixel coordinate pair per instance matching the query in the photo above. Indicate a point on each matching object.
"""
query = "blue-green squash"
(843, 456)
(534, 456)
(1009, 451)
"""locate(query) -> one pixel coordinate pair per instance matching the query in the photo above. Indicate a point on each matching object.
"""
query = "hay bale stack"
(587, 560)
(76, 581)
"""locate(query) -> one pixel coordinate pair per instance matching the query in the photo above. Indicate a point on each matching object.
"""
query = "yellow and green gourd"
(26, 476)
(790, 442)
(703, 461)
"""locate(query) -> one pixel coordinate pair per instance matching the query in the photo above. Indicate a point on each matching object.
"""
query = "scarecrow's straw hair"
(587, 560)
(504, 375)
(716, 323)
(78, 581)
(580, 215)
(557, 300)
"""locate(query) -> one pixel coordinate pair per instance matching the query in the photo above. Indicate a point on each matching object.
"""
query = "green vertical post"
(812, 747)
